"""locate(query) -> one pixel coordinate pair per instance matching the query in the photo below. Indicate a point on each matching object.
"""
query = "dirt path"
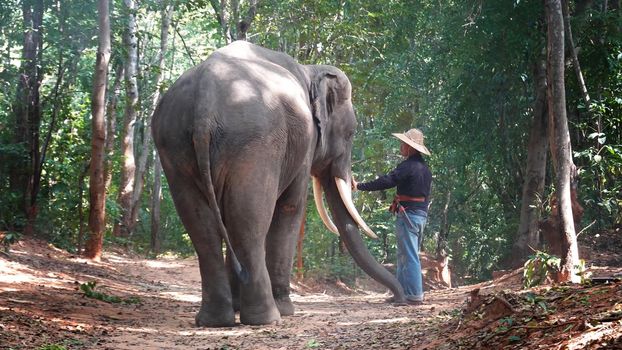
(41, 304)
(41, 284)
(321, 320)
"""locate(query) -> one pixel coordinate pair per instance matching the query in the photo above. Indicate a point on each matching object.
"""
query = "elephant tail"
(207, 187)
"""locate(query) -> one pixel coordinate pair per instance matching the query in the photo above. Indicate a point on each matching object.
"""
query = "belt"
(395, 206)
(404, 198)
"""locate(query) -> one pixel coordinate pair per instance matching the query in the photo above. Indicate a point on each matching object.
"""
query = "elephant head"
(333, 113)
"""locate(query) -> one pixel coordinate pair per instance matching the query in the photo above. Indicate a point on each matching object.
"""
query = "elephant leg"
(282, 239)
(216, 305)
(249, 202)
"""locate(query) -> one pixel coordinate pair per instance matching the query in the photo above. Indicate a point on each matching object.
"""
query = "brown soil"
(41, 304)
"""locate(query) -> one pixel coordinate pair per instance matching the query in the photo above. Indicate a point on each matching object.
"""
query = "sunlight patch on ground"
(13, 272)
(113, 258)
(19, 279)
(81, 260)
(182, 297)
(390, 320)
(316, 312)
(583, 339)
(71, 325)
(161, 264)
(221, 332)
(381, 321)
(143, 330)
(310, 298)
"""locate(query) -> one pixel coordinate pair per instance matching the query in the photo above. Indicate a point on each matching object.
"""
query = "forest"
(520, 102)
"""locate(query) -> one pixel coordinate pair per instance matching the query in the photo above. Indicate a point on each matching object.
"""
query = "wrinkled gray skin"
(238, 137)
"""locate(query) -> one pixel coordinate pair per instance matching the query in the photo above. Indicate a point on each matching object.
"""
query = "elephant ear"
(323, 98)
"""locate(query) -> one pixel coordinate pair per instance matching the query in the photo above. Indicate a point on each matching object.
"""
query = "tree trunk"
(27, 110)
(97, 190)
(442, 254)
(228, 11)
(575, 58)
(535, 174)
(559, 139)
(111, 120)
(244, 24)
(156, 197)
(80, 238)
(299, 246)
(222, 16)
(141, 169)
(443, 235)
(128, 170)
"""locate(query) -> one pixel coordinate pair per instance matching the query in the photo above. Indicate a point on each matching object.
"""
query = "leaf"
(514, 339)
(52, 347)
(313, 344)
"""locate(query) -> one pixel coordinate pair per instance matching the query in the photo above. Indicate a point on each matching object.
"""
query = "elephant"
(239, 137)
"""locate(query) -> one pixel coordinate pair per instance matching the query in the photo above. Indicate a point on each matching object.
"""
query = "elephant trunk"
(349, 232)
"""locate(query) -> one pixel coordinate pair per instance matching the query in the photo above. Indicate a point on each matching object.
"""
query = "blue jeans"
(408, 263)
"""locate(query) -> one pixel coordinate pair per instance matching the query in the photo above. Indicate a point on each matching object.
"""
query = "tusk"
(321, 209)
(346, 196)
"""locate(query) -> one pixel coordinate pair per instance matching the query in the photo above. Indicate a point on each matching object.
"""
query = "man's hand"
(353, 183)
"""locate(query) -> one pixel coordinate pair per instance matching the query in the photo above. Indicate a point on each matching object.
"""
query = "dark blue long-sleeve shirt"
(412, 178)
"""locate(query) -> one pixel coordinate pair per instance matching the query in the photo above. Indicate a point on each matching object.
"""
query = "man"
(413, 180)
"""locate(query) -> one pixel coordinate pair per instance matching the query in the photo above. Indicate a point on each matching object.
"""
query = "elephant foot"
(204, 318)
(270, 316)
(285, 306)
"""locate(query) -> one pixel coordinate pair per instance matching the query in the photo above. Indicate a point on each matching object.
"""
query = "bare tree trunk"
(97, 190)
(222, 16)
(111, 120)
(443, 235)
(535, 174)
(80, 238)
(299, 245)
(244, 24)
(141, 169)
(228, 11)
(27, 110)
(442, 254)
(559, 139)
(156, 197)
(575, 58)
(128, 170)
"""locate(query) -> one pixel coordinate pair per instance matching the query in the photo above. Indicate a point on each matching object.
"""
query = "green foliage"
(63, 345)
(539, 301)
(598, 142)
(52, 347)
(514, 339)
(539, 267)
(313, 344)
(9, 238)
(88, 289)
(602, 166)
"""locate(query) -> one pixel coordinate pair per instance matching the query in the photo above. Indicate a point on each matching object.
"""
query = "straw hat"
(414, 138)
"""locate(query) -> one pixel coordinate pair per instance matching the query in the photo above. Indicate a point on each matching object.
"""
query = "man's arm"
(383, 182)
